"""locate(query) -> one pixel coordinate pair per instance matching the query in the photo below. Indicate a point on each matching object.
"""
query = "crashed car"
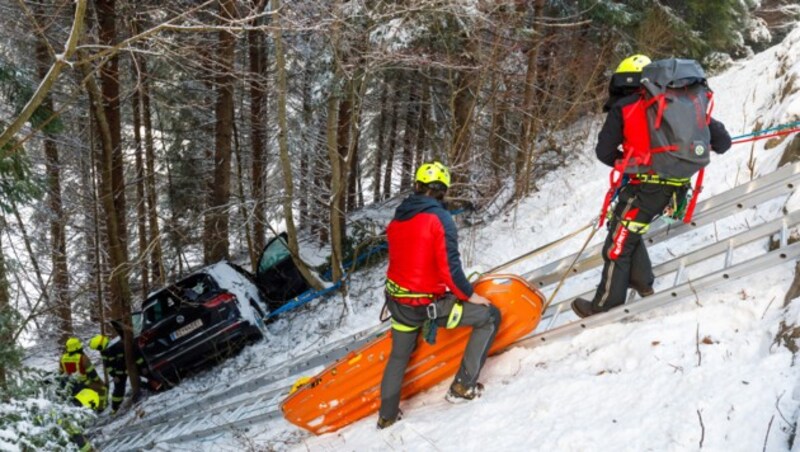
(199, 320)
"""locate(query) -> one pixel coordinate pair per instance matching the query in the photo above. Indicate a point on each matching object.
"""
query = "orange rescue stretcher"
(349, 389)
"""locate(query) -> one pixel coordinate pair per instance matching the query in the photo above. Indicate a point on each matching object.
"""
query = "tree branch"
(702, 428)
(50, 78)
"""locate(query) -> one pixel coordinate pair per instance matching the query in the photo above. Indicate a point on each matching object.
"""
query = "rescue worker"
(114, 363)
(81, 396)
(426, 288)
(76, 364)
(643, 199)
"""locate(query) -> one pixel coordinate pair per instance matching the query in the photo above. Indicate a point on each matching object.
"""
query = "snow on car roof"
(231, 280)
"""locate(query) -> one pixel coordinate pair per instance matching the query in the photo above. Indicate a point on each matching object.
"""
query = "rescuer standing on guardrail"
(658, 133)
(424, 263)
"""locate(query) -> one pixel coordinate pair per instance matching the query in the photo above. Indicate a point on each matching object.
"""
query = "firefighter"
(426, 288)
(75, 364)
(114, 363)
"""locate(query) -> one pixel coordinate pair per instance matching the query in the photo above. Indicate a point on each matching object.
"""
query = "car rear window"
(167, 302)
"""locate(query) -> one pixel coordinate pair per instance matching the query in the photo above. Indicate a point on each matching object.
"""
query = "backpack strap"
(662, 105)
(698, 187)
(614, 181)
(615, 178)
(669, 148)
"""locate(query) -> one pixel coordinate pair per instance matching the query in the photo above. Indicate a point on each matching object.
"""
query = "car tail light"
(219, 299)
(144, 337)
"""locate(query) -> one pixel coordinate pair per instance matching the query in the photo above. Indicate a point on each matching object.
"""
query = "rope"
(778, 127)
(539, 250)
(771, 135)
(571, 265)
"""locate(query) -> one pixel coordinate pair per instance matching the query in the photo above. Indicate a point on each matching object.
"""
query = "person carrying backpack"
(426, 288)
(657, 134)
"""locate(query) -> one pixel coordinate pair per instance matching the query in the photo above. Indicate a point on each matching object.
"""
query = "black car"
(199, 320)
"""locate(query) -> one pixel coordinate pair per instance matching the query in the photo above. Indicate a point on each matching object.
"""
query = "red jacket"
(423, 251)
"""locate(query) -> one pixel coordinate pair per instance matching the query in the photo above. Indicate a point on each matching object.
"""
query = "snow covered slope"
(706, 373)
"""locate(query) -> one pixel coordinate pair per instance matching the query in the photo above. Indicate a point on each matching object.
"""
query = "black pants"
(627, 264)
(120, 379)
(484, 320)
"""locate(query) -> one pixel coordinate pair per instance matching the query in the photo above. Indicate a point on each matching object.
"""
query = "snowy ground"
(705, 373)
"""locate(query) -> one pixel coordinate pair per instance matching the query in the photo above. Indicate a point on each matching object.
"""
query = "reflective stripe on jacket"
(79, 365)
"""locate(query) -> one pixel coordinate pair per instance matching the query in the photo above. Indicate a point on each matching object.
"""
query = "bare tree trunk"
(497, 132)
(154, 239)
(379, 151)
(412, 113)
(109, 80)
(354, 172)
(58, 241)
(463, 106)
(305, 151)
(94, 223)
(120, 289)
(89, 223)
(335, 157)
(523, 161)
(156, 251)
(258, 125)
(419, 151)
(387, 176)
(6, 332)
(174, 222)
(360, 181)
(343, 140)
(286, 165)
(216, 236)
(237, 152)
(320, 198)
(141, 204)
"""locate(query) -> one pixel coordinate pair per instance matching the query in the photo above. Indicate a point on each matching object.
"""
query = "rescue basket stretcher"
(349, 389)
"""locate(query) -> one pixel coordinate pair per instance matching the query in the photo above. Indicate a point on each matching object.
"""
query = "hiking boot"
(460, 393)
(646, 292)
(582, 308)
(383, 422)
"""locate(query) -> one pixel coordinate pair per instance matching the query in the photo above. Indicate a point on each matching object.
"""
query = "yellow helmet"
(89, 398)
(634, 63)
(73, 345)
(98, 342)
(433, 172)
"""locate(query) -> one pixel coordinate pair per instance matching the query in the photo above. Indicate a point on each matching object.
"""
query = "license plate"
(183, 331)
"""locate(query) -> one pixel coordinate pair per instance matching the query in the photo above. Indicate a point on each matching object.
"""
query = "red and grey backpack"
(671, 118)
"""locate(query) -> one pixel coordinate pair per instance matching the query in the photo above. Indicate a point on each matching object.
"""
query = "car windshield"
(168, 302)
(275, 253)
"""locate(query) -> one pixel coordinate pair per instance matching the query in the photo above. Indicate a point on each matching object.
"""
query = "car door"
(276, 275)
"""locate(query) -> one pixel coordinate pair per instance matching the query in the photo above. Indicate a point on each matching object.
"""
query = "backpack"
(677, 105)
